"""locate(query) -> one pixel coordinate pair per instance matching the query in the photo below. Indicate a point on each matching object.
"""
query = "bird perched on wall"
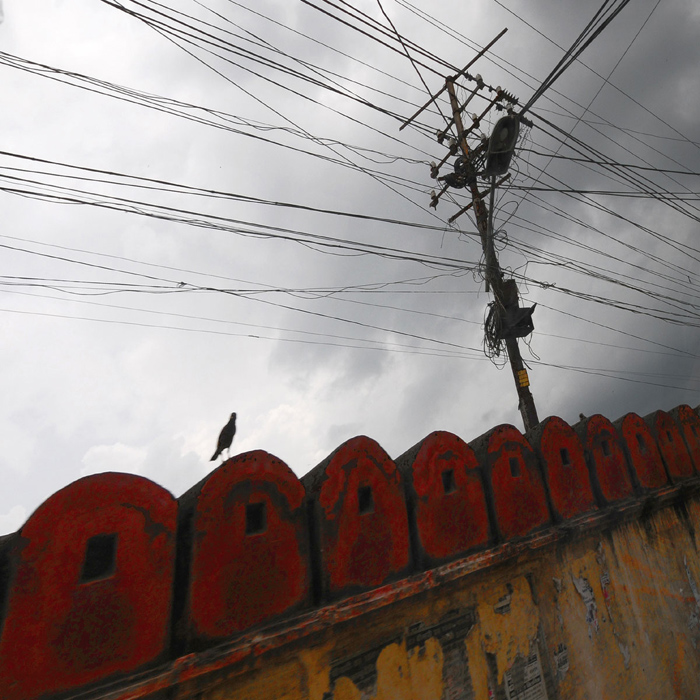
(225, 437)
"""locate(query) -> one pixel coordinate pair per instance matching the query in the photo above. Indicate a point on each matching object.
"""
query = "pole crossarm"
(456, 77)
(482, 195)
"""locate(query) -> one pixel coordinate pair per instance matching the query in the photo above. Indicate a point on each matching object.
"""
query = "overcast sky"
(132, 329)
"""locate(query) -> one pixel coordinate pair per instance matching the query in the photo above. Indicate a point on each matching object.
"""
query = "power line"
(167, 32)
(318, 293)
(608, 374)
(606, 80)
(228, 122)
(610, 162)
(347, 245)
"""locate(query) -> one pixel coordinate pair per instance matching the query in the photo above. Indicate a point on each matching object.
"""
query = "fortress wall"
(565, 558)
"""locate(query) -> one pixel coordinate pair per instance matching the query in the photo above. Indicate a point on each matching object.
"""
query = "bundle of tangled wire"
(494, 347)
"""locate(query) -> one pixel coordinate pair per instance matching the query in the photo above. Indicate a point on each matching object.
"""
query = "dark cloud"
(148, 390)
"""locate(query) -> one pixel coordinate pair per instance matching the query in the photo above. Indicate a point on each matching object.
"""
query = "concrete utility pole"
(511, 321)
(505, 291)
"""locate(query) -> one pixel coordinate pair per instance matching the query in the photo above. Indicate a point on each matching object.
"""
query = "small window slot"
(100, 558)
(695, 430)
(605, 445)
(448, 481)
(669, 436)
(641, 443)
(514, 466)
(564, 454)
(255, 518)
(365, 501)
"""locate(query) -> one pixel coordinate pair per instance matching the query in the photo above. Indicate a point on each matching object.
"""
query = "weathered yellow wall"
(612, 613)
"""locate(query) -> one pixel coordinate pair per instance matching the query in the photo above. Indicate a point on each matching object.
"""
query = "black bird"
(225, 437)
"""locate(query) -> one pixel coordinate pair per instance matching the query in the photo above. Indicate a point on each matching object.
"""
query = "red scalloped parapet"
(360, 518)
(671, 444)
(516, 484)
(447, 499)
(564, 467)
(689, 423)
(92, 577)
(643, 452)
(606, 457)
(246, 523)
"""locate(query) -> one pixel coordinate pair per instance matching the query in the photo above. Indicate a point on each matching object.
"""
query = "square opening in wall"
(100, 558)
(365, 501)
(514, 466)
(641, 443)
(448, 481)
(255, 518)
(565, 460)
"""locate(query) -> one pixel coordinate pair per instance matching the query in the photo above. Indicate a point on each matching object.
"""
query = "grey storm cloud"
(139, 316)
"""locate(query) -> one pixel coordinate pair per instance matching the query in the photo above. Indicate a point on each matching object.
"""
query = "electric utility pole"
(507, 321)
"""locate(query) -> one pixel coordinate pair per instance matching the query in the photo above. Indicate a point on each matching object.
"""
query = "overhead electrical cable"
(169, 186)
(372, 287)
(324, 73)
(584, 199)
(592, 30)
(334, 49)
(609, 162)
(609, 374)
(621, 305)
(681, 286)
(164, 33)
(567, 215)
(317, 294)
(165, 186)
(542, 256)
(207, 41)
(229, 122)
(639, 180)
(381, 30)
(512, 69)
(256, 230)
(219, 290)
(352, 290)
(405, 48)
(387, 345)
(547, 82)
(175, 187)
(256, 336)
(607, 81)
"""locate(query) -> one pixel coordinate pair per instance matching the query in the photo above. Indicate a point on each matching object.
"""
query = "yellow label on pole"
(523, 379)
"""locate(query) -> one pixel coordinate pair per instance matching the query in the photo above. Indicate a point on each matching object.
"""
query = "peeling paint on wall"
(561, 660)
(525, 680)
(503, 605)
(625, 651)
(508, 635)
(694, 617)
(586, 592)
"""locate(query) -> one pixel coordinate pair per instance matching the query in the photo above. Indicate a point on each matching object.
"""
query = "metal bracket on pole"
(482, 195)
